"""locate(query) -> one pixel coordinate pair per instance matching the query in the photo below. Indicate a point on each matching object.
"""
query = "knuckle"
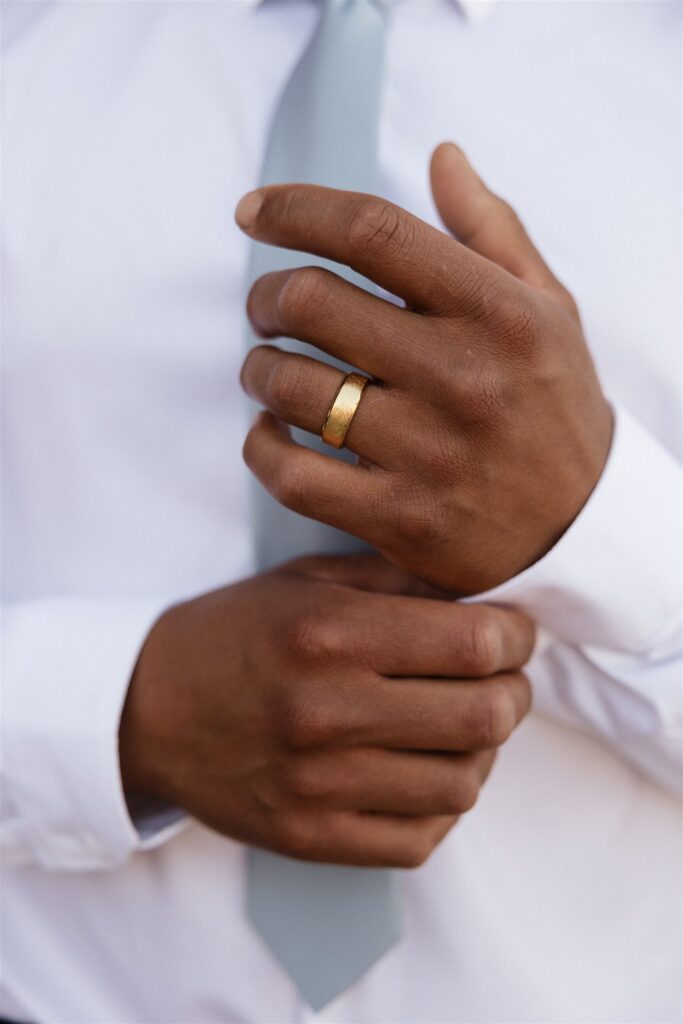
(518, 327)
(567, 300)
(467, 793)
(303, 779)
(525, 690)
(302, 295)
(414, 853)
(508, 212)
(378, 226)
(292, 484)
(247, 366)
(460, 796)
(524, 329)
(293, 837)
(416, 519)
(316, 638)
(478, 294)
(482, 644)
(249, 448)
(307, 721)
(254, 297)
(485, 396)
(498, 717)
(442, 453)
(282, 205)
(283, 383)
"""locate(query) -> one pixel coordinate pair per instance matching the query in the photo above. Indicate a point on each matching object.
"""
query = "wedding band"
(343, 409)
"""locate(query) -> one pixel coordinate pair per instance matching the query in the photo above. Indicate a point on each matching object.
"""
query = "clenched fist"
(327, 710)
(485, 428)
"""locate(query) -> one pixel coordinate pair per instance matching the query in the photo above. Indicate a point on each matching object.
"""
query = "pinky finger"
(365, 839)
(308, 482)
(385, 840)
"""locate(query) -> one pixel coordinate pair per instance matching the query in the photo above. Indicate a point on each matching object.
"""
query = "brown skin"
(334, 709)
(485, 429)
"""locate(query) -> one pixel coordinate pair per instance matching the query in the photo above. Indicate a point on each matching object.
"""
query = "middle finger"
(349, 323)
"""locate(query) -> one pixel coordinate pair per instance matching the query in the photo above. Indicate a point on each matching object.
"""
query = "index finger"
(381, 241)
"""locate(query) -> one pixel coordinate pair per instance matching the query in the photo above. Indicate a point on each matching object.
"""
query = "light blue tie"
(326, 924)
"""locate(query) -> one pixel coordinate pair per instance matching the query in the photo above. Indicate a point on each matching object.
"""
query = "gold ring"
(343, 409)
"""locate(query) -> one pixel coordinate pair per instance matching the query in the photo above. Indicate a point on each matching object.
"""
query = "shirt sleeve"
(66, 668)
(608, 600)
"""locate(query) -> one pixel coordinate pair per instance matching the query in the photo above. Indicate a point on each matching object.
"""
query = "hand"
(323, 711)
(485, 429)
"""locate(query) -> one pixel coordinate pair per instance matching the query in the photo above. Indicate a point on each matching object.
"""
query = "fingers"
(458, 715)
(299, 390)
(411, 636)
(481, 220)
(339, 318)
(361, 839)
(394, 249)
(390, 781)
(404, 714)
(305, 481)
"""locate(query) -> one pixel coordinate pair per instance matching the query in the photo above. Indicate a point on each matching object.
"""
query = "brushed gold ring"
(343, 409)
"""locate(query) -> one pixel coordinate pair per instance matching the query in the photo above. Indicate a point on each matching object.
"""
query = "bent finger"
(322, 488)
(383, 242)
(300, 391)
(390, 781)
(363, 838)
(455, 715)
(349, 323)
(414, 636)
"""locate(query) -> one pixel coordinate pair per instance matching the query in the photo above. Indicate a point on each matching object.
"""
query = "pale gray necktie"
(326, 924)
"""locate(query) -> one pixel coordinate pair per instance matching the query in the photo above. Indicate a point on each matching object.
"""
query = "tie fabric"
(326, 924)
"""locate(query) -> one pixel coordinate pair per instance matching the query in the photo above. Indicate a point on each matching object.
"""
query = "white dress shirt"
(130, 130)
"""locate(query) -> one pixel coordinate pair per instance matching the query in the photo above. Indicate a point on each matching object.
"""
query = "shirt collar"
(474, 10)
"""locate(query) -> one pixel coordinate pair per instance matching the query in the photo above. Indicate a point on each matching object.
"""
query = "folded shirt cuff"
(67, 664)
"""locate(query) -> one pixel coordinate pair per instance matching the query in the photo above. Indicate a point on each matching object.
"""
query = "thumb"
(483, 221)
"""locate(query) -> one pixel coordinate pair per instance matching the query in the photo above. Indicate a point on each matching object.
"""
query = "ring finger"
(299, 390)
(393, 781)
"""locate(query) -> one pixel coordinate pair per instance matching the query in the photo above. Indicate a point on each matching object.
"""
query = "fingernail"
(248, 208)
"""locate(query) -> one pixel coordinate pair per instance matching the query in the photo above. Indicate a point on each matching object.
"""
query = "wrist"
(142, 762)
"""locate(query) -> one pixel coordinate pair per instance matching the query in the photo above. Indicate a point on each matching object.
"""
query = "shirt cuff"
(613, 579)
(66, 669)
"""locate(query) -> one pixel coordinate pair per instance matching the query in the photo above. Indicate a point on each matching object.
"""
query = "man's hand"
(324, 711)
(485, 429)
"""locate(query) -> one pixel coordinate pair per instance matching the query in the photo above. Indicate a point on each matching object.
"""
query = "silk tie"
(325, 923)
